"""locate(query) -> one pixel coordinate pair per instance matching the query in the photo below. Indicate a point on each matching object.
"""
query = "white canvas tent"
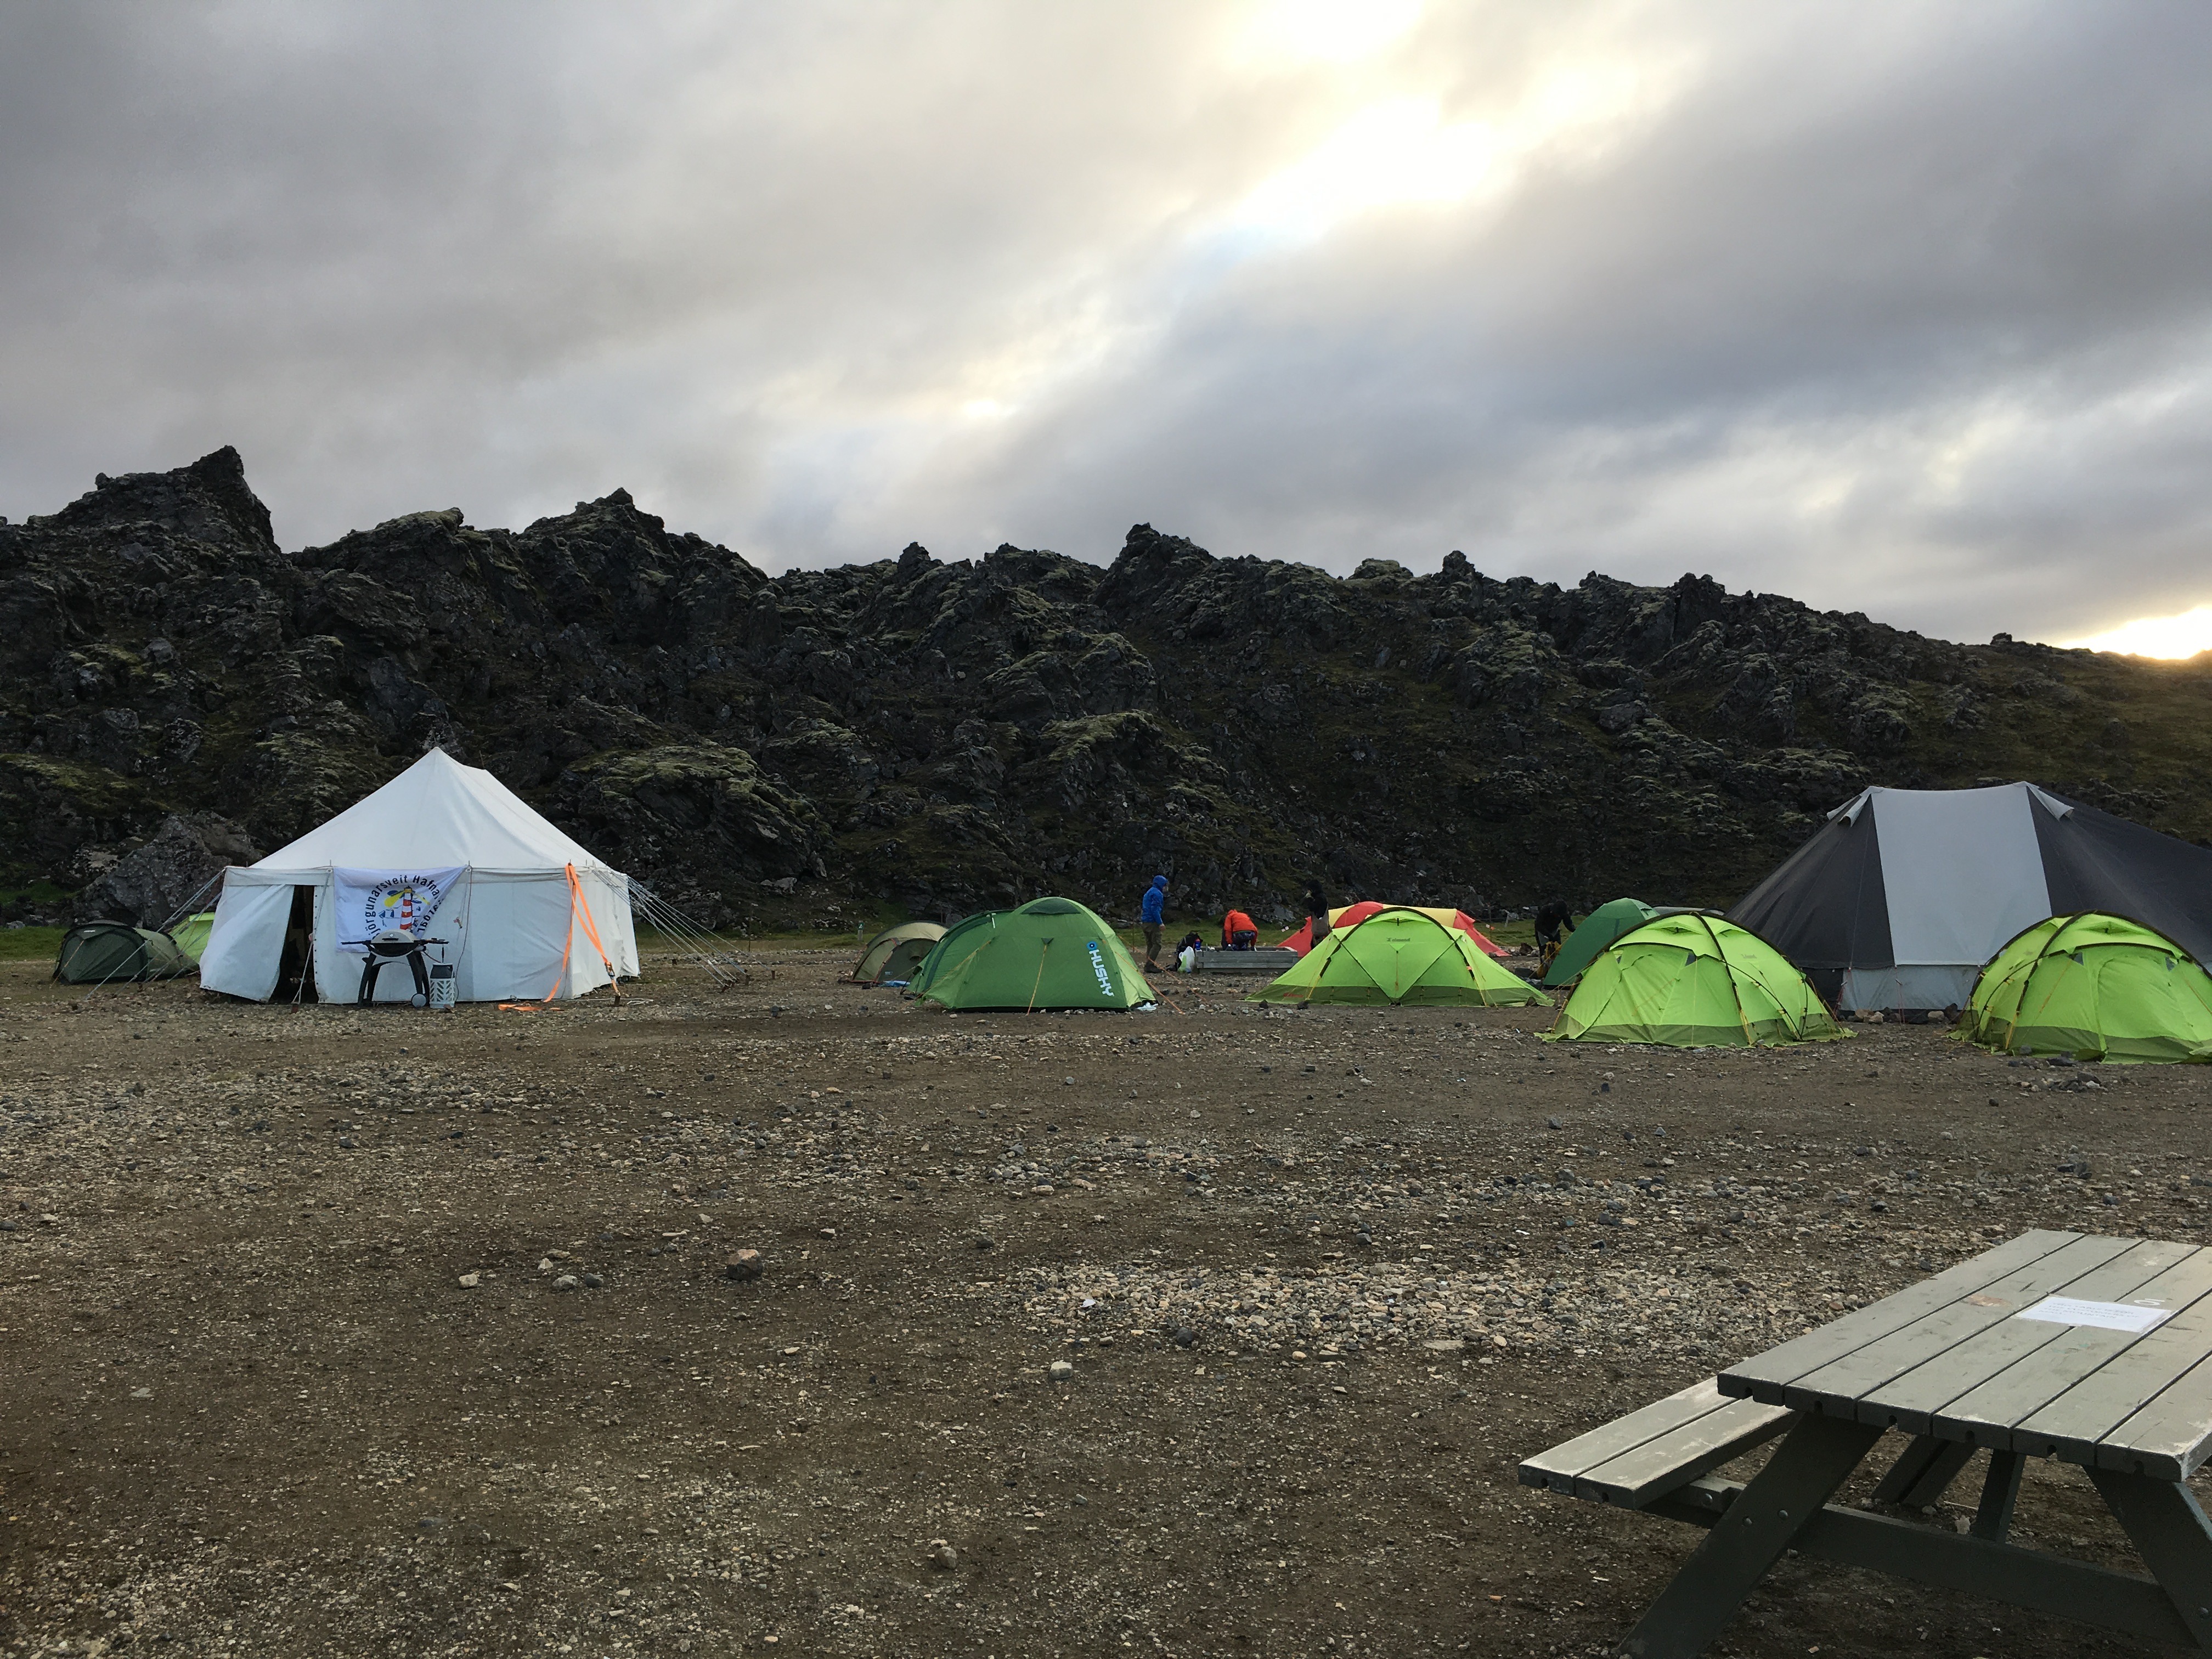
(513, 896)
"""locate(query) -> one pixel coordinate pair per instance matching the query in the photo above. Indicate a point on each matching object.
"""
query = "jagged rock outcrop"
(940, 735)
(171, 868)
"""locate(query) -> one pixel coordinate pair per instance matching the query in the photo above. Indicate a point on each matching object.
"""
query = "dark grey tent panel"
(1903, 895)
(2094, 861)
(1825, 907)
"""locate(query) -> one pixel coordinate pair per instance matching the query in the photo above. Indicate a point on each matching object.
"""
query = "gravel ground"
(1209, 1330)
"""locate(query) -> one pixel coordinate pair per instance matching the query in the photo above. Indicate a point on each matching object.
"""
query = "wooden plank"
(1765, 1376)
(2163, 1521)
(1928, 1491)
(1914, 1399)
(1836, 1387)
(2000, 1493)
(2052, 1584)
(1777, 1505)
(2169, 1438)
(1558, 1467)
(1681, 1455)
(2073, 1424)
(1269, 959)
(1914, 1463)
(1990, 1413)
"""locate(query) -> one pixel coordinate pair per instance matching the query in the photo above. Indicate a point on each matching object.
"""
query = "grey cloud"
(1898, 309)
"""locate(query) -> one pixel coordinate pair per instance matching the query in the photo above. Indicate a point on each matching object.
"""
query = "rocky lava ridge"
(931, 736)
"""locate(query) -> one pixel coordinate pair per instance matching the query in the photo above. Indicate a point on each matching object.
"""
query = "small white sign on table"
(2104, 1316)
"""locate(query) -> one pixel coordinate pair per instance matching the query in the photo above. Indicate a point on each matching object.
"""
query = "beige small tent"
(895, 952)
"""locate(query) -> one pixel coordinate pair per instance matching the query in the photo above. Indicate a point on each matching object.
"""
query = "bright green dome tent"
(191, 933)
(1049, 953)
(895, 952)
(1400, 956)
(2094, 986)
(1693, 980)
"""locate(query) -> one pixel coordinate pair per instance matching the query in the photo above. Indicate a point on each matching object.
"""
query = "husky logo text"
(1098, 967)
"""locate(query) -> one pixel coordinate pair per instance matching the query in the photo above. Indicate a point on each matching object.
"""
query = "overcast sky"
(1904, 308)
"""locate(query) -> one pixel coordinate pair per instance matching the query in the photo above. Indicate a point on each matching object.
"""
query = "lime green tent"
(1403, 956)
(1049, 953)
(895, 952)
(2094, 986)
(191, 933)
(1693, 980)
(109, 952)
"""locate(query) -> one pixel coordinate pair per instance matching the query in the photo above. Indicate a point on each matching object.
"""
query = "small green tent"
(895, 952)
(1600, 928)
(1048, 953)
(2094, 986)
(1400, 956)
(107, 952)
(191, 933)
(1693, 980)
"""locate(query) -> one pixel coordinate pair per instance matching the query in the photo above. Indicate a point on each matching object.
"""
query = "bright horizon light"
(2170, 638)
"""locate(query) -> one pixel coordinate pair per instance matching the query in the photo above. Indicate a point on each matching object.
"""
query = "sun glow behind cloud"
(1397, 153)
(1325, 31)
(1403, 152)
(2171, 637)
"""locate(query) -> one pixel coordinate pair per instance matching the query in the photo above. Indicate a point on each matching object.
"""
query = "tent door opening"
(296, 968)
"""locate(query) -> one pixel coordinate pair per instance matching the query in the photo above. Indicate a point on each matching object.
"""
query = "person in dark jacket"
(1317, 909)
(1555, 920)
(1155, 916)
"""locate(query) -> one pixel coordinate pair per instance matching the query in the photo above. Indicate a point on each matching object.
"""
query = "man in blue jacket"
(1155, 915)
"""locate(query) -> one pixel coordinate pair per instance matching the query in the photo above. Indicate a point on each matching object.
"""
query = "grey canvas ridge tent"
(1901, 896)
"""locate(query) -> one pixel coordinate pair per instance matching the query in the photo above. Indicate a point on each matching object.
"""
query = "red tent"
(1352, 915)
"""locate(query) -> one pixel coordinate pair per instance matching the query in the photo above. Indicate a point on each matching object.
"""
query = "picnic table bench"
(1271, 960)
(2095, 1351)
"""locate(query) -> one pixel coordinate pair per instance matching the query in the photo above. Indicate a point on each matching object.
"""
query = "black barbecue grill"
(392, 947)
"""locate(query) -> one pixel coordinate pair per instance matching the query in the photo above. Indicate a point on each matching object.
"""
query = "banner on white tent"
(372, 901)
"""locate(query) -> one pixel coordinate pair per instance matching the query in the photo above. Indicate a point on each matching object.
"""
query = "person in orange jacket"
(1239, 932)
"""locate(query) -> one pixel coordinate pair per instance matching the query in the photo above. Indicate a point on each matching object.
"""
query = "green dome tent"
(1400, 956)
(1048, 953)
(1600, 928)
(2094, 986)
(895, 953)
(106, 952)
(191, 933)
(1693, 980)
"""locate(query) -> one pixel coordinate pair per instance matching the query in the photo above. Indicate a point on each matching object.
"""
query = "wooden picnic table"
(2092, 1350)
(1269, 960)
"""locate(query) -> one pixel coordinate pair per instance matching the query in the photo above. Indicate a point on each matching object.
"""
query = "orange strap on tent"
(578, 910)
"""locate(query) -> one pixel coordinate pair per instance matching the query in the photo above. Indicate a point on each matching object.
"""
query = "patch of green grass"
(30, 944)
(41, 893)
(653, 942)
